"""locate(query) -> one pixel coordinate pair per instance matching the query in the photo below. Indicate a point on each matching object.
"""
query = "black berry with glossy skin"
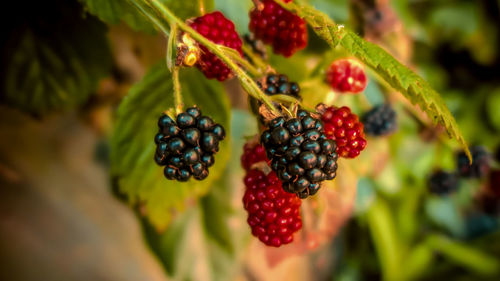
(300, 153)
(186, 146)
(480, 166)
(443, 183)
(380, 121)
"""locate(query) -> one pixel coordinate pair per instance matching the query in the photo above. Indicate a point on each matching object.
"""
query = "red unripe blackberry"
(282, 29)
(273, 215)
(346, 76)
(220, 30)
(343, 126)
(253, 152)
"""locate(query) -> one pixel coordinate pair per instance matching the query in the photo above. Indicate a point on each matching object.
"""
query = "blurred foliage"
(52, 58)
(133, 148)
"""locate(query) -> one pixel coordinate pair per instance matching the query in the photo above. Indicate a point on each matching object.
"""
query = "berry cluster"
(480, 163)
(220, 30)
(300, 153)
(442, 183)
(273, 215)
(346, 76)
(186, 147)
(380, 121)
(345, 129)
(253, 153)
(274, 25)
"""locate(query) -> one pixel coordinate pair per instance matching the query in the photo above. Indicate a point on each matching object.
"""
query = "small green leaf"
(112, 11)
(55, 58)
(133, 147)
(398, 76)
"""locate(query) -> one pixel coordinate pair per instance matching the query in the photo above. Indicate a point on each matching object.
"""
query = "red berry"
(253, 152)
(273, 214)
(220, 30)
(346, 76)
(343, 126)
(285, 31)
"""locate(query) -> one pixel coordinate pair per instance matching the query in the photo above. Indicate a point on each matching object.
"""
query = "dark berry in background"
(480, 166)
(346, 76)
(380, 121)
(256, 45)
(273, 215)
(344, 127)
(186, 146)
(497, 155)
(285, 31)
(300, 153)
(443, 183)
(220, 30)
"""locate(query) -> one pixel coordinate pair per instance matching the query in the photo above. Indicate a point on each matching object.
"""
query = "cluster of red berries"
(346, 76)
(220, 30)
(273, 215)
(274, 25)
(343, 126)
(253, 153)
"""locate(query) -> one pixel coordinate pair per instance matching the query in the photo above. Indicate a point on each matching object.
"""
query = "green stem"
(247, 83)
(177, 91)
(153, 19)
(255, 59)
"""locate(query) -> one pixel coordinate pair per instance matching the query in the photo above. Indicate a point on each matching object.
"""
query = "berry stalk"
(248, 84)
(179, 105)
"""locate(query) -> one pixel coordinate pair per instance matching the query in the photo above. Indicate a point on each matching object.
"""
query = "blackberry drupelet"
(273, 215)
(186, 146)
(300, 153)
(380, 120)
(443, 183)
(480, 166)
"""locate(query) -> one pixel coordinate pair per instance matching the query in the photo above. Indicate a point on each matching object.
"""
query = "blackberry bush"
(300, 153)
(480, 163)
(285, 31)
(220, 30)
(346, 76)
(344, 127)
(442, 183)
(273, 215)
(380, 121)
(186, 146)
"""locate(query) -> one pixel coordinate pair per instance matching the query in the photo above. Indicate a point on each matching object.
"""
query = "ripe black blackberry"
(186, 146)
(442, 183)
(275, 84)
(300, 153)
(480, 166)
(380, 120)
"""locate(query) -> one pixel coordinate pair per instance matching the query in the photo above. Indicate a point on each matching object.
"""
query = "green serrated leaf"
(133, 147)
(112, 11)
(400, 77)
(54, 58)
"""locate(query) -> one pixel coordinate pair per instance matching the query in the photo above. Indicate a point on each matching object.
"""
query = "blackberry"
(346, 76)
(480, 163)
(273, 215)
(344, 127)
(220, 30)
(497, 155)
(275, 84)
(186, 146)
(300, 153)
(494, 183)
(442, 183)
(380, 121)
(282, 29)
